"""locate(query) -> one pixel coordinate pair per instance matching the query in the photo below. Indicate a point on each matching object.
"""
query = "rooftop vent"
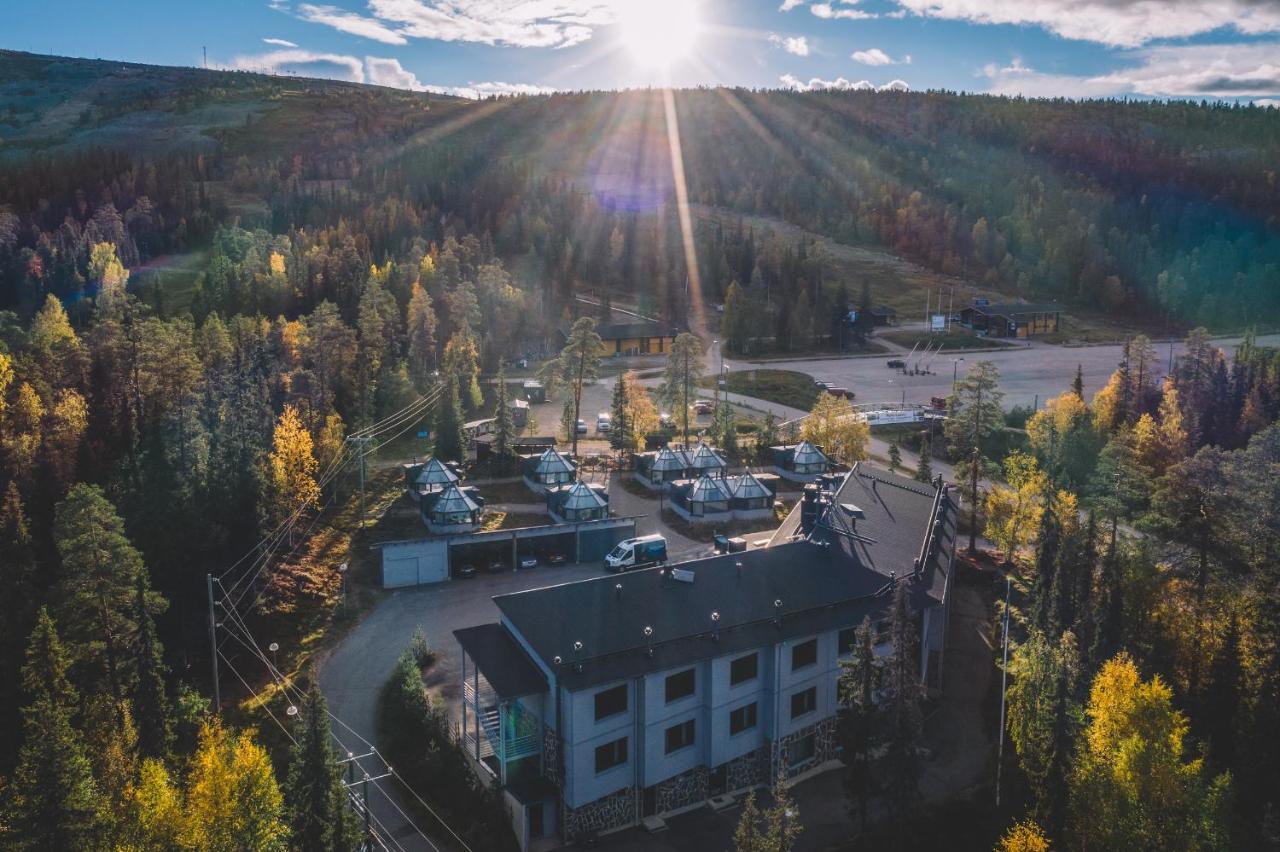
(682, 575)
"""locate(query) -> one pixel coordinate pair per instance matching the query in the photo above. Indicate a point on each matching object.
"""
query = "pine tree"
(17, 616)
(680, 378)
(150, 698)
(95, 595)
(315, 799)
(1108, 615)
(747, 836)
(579, 362)
(895, 457)
(1044, 718)
(420, 322)
(782, 820)
(975, 416)
(53, 801)
(504, 429)
(1077, 384)
(1044, 607)
(451, 442)
(767, 438)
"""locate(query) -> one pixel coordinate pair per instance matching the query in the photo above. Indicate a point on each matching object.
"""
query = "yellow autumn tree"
(1147, 444)
(291, 469)
(154, 818)
(22, 430)
(1014, 510)
(642, 413)
(1173, 435)
(112, 278)
(1106, 405)
(1024, 836)
(1131, 788)
(232, 799)
(833, 426)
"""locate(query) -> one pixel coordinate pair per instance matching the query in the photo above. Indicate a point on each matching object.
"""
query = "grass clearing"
(783, 387)
(951, 340)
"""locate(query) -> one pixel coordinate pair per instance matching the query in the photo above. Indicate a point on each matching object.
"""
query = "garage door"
(594, 543)
(414, 564)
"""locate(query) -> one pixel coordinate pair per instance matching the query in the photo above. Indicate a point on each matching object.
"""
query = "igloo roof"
(436, 473)
(453, 499)
(706, 490)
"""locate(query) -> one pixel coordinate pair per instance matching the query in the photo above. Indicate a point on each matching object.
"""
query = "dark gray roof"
(580, 496)
(823, 583)
(435, 473)
(747, 486)
(704, 489)
(1012, 309)
(501, 660)
(453, 499)
(553, 462)
(705, 458)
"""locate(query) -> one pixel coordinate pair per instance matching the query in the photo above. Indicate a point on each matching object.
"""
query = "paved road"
(1027, 372)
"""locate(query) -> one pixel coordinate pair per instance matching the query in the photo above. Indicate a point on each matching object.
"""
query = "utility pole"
(1004, 680)
(213, 647)
(362, 441)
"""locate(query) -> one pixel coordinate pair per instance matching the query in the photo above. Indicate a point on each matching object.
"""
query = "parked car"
(938, 402)
(466, 572)
(896, 364)
(703, 406)
(604, 420)
(826, 386)
(556, 558)
(582, 427)
(497, 566)
(666, 420)
(528, 561)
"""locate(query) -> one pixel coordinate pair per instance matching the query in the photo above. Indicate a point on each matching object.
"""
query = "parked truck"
(637, 553)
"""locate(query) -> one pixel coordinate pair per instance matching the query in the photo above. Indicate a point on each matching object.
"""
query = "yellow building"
(637, 338)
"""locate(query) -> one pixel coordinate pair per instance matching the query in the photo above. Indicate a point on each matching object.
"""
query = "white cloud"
(874, 56)
(1205, 70)
(389, 72)
(278, 42)
(475, 91)
(814, 84)
(797, 45)
(303, 63)
(1273, 103)
(830, 12)
(788, 5)
(517, 23)
(1119, 23)
(350, 23)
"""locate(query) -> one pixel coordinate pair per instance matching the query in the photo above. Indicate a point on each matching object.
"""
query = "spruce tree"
(857, 724)
(1221, 701)
(451, 441)
(619, 429)
(924, 470)
(17, 578)
(1044, 606)
(1077, 384)
(903, 717)
(1108, 611)
(151, 710)
(504, 430)
(52, 802)
(895, 457)
(315, 799)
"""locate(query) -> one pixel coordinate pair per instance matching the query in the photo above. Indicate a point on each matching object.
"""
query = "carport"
(433, 560)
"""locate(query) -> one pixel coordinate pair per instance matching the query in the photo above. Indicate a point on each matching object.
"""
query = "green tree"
(52, 801)
(232, 799)
(895, 457)
(975, 417)
(17, 615)
(1044, 719)
(579, 363)
(315, 800)
(95, 593)
(736, 322)
(858, 723)
(680, 378)
(924, 468)
(903, 717)
(450, 442)
(504, 428)
(767, 438)
(150, 698)
(420, 322)
(620, 434)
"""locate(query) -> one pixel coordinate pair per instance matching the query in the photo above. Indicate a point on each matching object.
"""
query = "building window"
(804, 654)
(848, 640)
(744, 669)
(742, 719)
(610, 755)
(679, 736)
(805, 701)
(802, 750)
(611, 702)
(680, 685)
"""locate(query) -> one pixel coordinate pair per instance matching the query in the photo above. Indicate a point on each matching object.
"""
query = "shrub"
(421, 650)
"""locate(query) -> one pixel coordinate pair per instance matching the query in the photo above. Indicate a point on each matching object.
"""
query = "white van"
(637, 553)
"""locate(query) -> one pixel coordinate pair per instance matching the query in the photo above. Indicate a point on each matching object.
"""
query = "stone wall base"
(616, 810)
(687, 788)
(824, 734)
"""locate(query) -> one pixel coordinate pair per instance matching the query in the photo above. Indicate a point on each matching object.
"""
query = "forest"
(189, 337)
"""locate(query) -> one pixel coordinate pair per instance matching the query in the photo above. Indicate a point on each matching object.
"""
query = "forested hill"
(1167, 212)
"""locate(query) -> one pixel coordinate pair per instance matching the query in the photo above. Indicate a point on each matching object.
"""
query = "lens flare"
(658, 33)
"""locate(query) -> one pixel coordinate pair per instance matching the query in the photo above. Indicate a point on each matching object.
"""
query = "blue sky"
(1150, 48)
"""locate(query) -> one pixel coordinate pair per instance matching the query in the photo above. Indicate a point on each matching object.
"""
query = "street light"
(342, 576)
(273, 647)
(955, 371)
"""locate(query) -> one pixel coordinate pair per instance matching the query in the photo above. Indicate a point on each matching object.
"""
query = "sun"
(658, 33)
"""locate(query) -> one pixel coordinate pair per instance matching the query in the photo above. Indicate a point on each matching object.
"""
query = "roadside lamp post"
(342, 577)
(273, 647)
(955, 373)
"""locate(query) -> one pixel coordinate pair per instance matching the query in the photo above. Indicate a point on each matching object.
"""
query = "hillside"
(1165, 214)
